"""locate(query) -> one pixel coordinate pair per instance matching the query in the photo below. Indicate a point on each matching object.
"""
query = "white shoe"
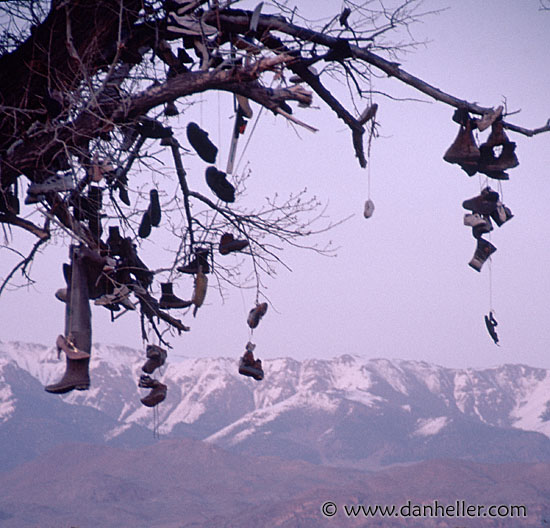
(473, 220)
(369, 209)
(56, 183)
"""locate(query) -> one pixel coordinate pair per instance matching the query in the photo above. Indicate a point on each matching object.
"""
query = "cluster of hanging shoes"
(248, 365)
(492, 158)
(156, 357)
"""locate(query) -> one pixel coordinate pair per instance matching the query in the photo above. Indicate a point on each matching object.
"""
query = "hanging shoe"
(228, 244)
(71, 351)
(156, 358)
(483, 251)
(217, 182)
(483, 204)
(9, 203)
(473, 219)
(508, 158)
(199, 293)
(200, 259)
(76, 376)
(156, 396)
(481, 229)
(188, 25)
(62, 294)
(120, 295)
(497, 136)
(145, 226)
(248, 366)
(488, 118)
(168, 300)
(171, 109)
(199, 140)
(154, 208)
(369, 208)
(256, 314)
(491, 324)
(463, 149)
(151, 128)
(55, 183)
(114, 240)
(501, 214)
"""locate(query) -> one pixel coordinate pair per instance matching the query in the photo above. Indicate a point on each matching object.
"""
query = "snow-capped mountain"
(346, 411)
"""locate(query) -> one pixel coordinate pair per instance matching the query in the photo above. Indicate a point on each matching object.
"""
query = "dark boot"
(145, 226)
(156, 358)
(157, 394)
(228, 244)
(201, 259)
(76, 377)
(168, 300)
(501, 214)
(256, 314)
(114, 241)
(483, 204)
(463, 149)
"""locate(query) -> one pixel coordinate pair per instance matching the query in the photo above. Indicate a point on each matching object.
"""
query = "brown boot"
(76, 377)
(157, 394)
(463, 149)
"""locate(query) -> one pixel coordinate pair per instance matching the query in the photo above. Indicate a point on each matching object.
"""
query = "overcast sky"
(400, 285)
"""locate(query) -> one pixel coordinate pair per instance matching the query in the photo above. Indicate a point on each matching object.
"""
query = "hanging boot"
(483, 251)
(114, 241)
(256, 314)
(145, 226)
(368, 211)
(201, 259)
(228, 244)
(76, 377)
(484, 204)
(157, 394)
(156, 358)
(248, 366)
(463, 149)
(501, 214)
(168, 300)
(497, 136)
(199, 140)
(171, 109)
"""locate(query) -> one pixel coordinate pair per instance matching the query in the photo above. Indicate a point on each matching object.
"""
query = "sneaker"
(228, 244)
(256, 314)
(483, 204)
(217, 182)
(369, 208)
(482, 228)
(168, 300)
(156, 358)
(121, 295)
(189, 25)
(483, 251)
(501, 214)
(157, 394)
(473, 219)
(55, 183)
(199, 140)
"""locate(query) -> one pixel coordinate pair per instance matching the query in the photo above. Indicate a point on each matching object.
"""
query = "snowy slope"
(343, 405)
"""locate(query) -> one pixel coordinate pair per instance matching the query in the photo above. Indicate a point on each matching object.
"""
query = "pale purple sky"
(400, 285)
